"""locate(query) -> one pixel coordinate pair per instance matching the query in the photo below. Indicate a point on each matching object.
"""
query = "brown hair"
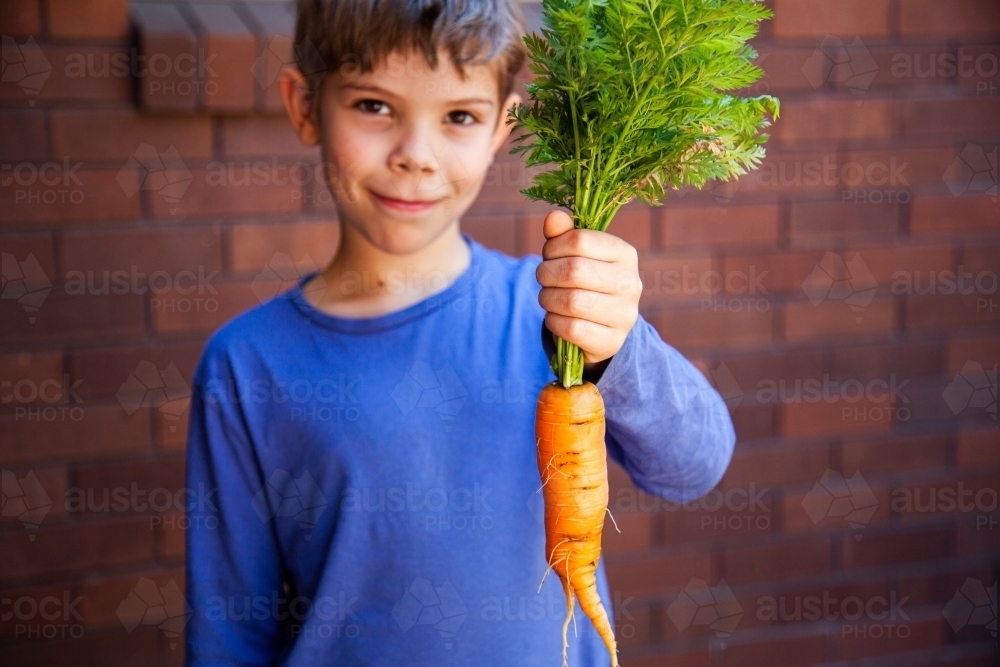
(361, 34)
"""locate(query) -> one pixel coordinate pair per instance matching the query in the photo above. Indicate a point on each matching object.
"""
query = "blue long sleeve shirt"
(377, 489)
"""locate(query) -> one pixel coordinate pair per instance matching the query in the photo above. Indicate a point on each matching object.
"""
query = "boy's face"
(408, 133)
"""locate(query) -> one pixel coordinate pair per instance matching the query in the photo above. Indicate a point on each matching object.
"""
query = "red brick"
(812, 419)
(229, 41)
(978, 449)
(103, 595)
(164, 35)
(264, 136)
(498, 232)
(719, 515)
(674, 659)
(963, 500)
(663, 279)
(776, 467)
(635, 535)
(21, 610)
(190, 258)
(881, 362)
(116, 135)
(753, 373)
(25, 246)
(103, 431)
(530, 237)
(968, 212)
(822, 225)
(894, 170)
(973, 539)
(895, 455)
(174, 313)
(689, 329)
(755, 421)
(949, 19)
(171, 431)
(782, 69)
(20, 18)
(633, 223)
(78, 195)
(912, 67)
(787, 560)
(95, 19)
(982, 259)
(70, 79)
(65, 317)
(809, 650)
(101, 489)
(219, 190)
(816, 18)
(712, 225)
(22, 138)
(896, 547)
(274, 27)
(171, 532)
(136, 648)
(982, 350)
(832, 119)
(32, 377)
(960, 118)
(948, 311)
(101, 371)
(782, 273)
(795, 518)
(54, 482)
(829, 319)
(252, 246)
(920, 636)
(92, 545)
(902, 266)
(656, 575)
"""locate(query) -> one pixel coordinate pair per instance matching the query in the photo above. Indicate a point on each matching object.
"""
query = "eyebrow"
(379, 89)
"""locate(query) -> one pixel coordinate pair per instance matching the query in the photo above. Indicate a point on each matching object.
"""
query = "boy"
(370, 431)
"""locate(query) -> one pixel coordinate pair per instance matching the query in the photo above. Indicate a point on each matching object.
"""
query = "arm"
(666, 425)
(232, 555)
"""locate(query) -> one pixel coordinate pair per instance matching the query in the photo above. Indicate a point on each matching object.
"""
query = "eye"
(365, 105)
(471, 119)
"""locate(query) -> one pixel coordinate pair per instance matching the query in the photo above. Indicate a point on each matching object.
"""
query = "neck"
(363, 280)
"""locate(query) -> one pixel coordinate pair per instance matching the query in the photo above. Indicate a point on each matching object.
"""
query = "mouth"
(404, 204)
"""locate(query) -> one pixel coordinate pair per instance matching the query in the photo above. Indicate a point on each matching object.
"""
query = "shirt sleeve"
(233, 561)
(665, 424)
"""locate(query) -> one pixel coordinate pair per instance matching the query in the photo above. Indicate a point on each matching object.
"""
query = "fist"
(590, 287)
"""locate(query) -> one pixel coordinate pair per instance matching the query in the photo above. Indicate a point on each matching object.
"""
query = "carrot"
(569, 429)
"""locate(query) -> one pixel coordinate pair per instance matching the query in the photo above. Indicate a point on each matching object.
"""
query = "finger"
(556, 222)
(589, 243)
(603, 309)
(597, 341)
(577, 272)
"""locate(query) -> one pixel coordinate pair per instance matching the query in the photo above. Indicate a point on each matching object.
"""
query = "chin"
(404, 238)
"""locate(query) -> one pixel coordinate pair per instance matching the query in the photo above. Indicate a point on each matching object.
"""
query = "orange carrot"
(569, 429)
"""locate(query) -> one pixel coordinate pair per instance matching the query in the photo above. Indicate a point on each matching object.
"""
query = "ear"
(299, 103)
(502, 130)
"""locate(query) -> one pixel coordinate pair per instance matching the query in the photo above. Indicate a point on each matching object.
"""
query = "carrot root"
(572, 461)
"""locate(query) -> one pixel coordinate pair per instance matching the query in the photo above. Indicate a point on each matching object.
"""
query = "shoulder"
(246, 337)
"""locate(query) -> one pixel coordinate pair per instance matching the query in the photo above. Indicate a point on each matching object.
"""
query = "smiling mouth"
(407, 204)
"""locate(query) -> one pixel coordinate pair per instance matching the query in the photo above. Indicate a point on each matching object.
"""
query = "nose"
(415, 152)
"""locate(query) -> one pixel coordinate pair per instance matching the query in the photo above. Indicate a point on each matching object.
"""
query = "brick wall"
(819, 294)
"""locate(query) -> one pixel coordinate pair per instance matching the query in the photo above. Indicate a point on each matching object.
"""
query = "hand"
(590, 287)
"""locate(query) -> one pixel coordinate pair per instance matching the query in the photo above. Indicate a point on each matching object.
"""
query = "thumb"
(556, 222)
